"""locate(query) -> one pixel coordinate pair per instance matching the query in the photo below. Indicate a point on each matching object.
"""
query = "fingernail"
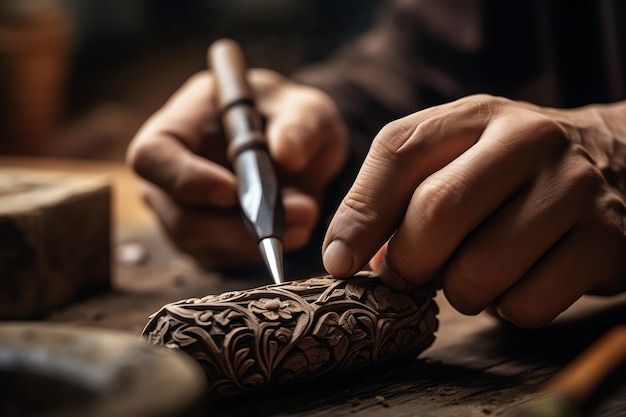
(389, 277)
(338, 259)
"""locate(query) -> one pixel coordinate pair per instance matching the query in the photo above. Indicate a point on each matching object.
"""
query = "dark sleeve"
(427, 52)
(391, 71)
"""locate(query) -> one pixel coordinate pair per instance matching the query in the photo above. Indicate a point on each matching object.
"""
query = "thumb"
(373, 207)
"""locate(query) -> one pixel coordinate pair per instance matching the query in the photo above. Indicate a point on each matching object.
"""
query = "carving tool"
(258, 189)
(573, 386)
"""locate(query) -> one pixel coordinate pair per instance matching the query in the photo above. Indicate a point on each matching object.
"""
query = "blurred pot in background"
(35, 46)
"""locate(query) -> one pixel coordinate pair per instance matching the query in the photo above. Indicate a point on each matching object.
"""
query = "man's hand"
(502, 203)
(181, 152)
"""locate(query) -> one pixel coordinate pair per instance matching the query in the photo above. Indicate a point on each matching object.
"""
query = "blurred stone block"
(55, 240)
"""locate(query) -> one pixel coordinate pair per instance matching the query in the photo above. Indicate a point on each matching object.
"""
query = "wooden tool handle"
(227, 61)
(578, 380)
(242, 123)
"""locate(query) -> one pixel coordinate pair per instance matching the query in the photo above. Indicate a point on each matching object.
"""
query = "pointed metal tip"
(272, 251)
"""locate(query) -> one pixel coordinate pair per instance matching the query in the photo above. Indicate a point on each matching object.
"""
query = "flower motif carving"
(297, 330)
(275, 309)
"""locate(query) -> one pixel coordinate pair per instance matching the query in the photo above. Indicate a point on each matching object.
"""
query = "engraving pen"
(258, 189)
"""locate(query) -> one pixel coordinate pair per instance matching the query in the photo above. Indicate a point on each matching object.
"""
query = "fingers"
(218, 237)
(188, 178)
(590, 257)
(164, 151)
(454, 201)
(181, 152)
(181, 148)
(305, 133)
(303, 124)
(504, 248)
(543, 249)
(401, 156)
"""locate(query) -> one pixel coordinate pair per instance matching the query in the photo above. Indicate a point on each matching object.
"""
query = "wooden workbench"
(477, 366)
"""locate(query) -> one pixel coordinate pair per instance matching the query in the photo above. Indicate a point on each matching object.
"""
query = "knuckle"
(390, 129)
(407, 264)
(479, 275)
(439, 203)
(138, 153)
(548, 127)
(611, 208)
(317, 97)
(549, 131)
(144, 155)
(473, 282)
(427, 129)
(481, 104)
(262, 79)
(382, 155)
(581, 173)
(393, 135)
(359, 202)
(200, 77)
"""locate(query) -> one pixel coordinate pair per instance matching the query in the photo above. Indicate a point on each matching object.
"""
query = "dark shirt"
(557, 53)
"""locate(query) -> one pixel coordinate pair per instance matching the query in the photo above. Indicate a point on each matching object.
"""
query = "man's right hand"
(181, 153)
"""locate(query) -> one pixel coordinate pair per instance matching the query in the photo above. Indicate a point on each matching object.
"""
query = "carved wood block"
(297, 330)
(55, 238)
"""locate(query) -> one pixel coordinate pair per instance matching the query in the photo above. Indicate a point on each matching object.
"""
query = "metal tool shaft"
(259, 192)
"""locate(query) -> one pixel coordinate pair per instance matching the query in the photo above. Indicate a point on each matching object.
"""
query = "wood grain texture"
(296, 331)
(55, 238)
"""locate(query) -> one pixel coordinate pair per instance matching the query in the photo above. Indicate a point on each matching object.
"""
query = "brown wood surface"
(55, 239)
(476, 367)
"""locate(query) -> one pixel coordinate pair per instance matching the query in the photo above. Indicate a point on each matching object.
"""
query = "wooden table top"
(477, 366)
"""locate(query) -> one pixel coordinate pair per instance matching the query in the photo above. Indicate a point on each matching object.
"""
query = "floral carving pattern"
(296, 330)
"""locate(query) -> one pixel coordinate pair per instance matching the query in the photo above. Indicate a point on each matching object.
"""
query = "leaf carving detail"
(297, 330)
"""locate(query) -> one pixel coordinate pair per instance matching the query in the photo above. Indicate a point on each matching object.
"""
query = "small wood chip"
(381, 400)
(355, 401)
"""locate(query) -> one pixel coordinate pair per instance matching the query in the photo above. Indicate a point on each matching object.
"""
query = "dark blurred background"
(77, 78)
